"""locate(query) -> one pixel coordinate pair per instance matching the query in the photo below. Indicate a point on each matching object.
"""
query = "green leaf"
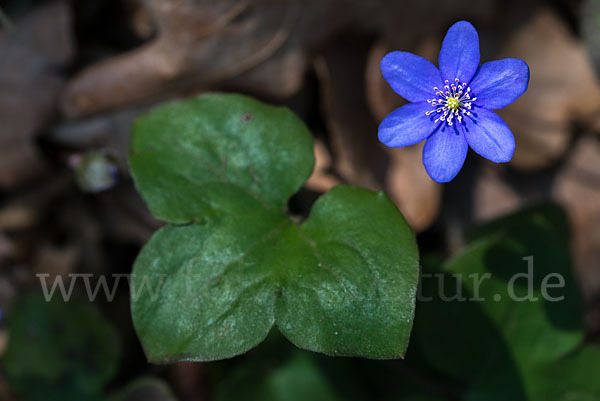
(219, 154)
(330, 285)
(341, 283)
(502, 339)
(59, 350)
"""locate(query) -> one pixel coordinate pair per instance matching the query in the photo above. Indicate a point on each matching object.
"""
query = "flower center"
(453, 101)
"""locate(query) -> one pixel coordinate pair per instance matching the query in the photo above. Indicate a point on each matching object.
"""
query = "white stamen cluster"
(453, 101)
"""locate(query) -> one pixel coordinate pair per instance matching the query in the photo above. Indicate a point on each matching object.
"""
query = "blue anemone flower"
(452, 107)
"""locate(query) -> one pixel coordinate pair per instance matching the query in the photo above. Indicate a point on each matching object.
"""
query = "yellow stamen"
(453, 103)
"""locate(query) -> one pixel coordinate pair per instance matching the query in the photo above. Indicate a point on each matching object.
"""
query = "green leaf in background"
(59, 350)
(502, 343)
(223, 167)
(277, 371)
(298, 379)
(145, 389)
(573, 377)
(421, 398)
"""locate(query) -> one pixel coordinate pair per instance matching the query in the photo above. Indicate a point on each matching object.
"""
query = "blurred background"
(75, 74)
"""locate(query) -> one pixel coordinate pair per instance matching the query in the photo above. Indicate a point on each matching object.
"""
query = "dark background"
(75, 74)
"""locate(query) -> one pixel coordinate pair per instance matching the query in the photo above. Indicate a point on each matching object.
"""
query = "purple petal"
(488, 135)
(459, 56)
(412, 77)
(407, 125)
(499, 83)
(444, 153)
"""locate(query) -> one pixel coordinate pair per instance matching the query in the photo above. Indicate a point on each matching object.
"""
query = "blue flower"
(452, 107)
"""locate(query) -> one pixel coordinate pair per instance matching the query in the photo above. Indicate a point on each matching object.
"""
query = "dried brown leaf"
(31, 53)
(407, 182)
(563, 89)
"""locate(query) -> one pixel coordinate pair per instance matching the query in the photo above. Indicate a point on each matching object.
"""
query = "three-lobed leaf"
(234, 264)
